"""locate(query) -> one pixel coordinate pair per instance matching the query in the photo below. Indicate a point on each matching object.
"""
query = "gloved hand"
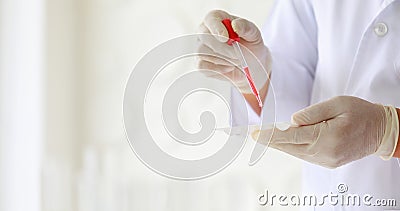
(224, 62)
(337, 131)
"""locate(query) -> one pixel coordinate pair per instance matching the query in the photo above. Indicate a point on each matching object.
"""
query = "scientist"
(335, 71)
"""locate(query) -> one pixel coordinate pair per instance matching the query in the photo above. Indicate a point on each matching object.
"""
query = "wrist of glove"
(390, 139)
(337, 131)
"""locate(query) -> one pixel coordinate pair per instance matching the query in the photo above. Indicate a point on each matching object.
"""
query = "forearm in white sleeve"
(291, 35)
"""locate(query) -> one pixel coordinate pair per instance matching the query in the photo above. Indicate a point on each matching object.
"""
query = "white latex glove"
(224, 62)
(337, 131)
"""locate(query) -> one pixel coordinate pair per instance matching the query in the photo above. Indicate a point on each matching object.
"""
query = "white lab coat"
(327, 48)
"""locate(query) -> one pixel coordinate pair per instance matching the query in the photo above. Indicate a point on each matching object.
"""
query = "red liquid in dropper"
(252, 86)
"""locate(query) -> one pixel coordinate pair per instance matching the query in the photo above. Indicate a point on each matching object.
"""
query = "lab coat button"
(381, 29)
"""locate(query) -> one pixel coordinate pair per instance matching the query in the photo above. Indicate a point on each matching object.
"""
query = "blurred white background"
(63, 68)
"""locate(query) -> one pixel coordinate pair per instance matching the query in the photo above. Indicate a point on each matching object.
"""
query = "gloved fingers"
(247, 30)
(298, 150)
(319, 112)
(218, 76)
(293, 135)
(229, 76)
(223, 72)
(303, 152)
(213, 21)
(207, 54)
(214, 69)
(209, 40)
(300, 135)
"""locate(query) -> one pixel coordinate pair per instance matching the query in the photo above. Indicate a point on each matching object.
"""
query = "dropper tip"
(260, 104)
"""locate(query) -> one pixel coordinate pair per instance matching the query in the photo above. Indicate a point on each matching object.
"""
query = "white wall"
(21, 103)
(62, 155)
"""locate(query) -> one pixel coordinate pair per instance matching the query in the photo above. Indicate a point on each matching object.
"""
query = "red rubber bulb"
(232, 34)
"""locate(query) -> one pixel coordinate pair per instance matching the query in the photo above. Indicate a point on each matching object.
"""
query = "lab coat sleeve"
(290, 33)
